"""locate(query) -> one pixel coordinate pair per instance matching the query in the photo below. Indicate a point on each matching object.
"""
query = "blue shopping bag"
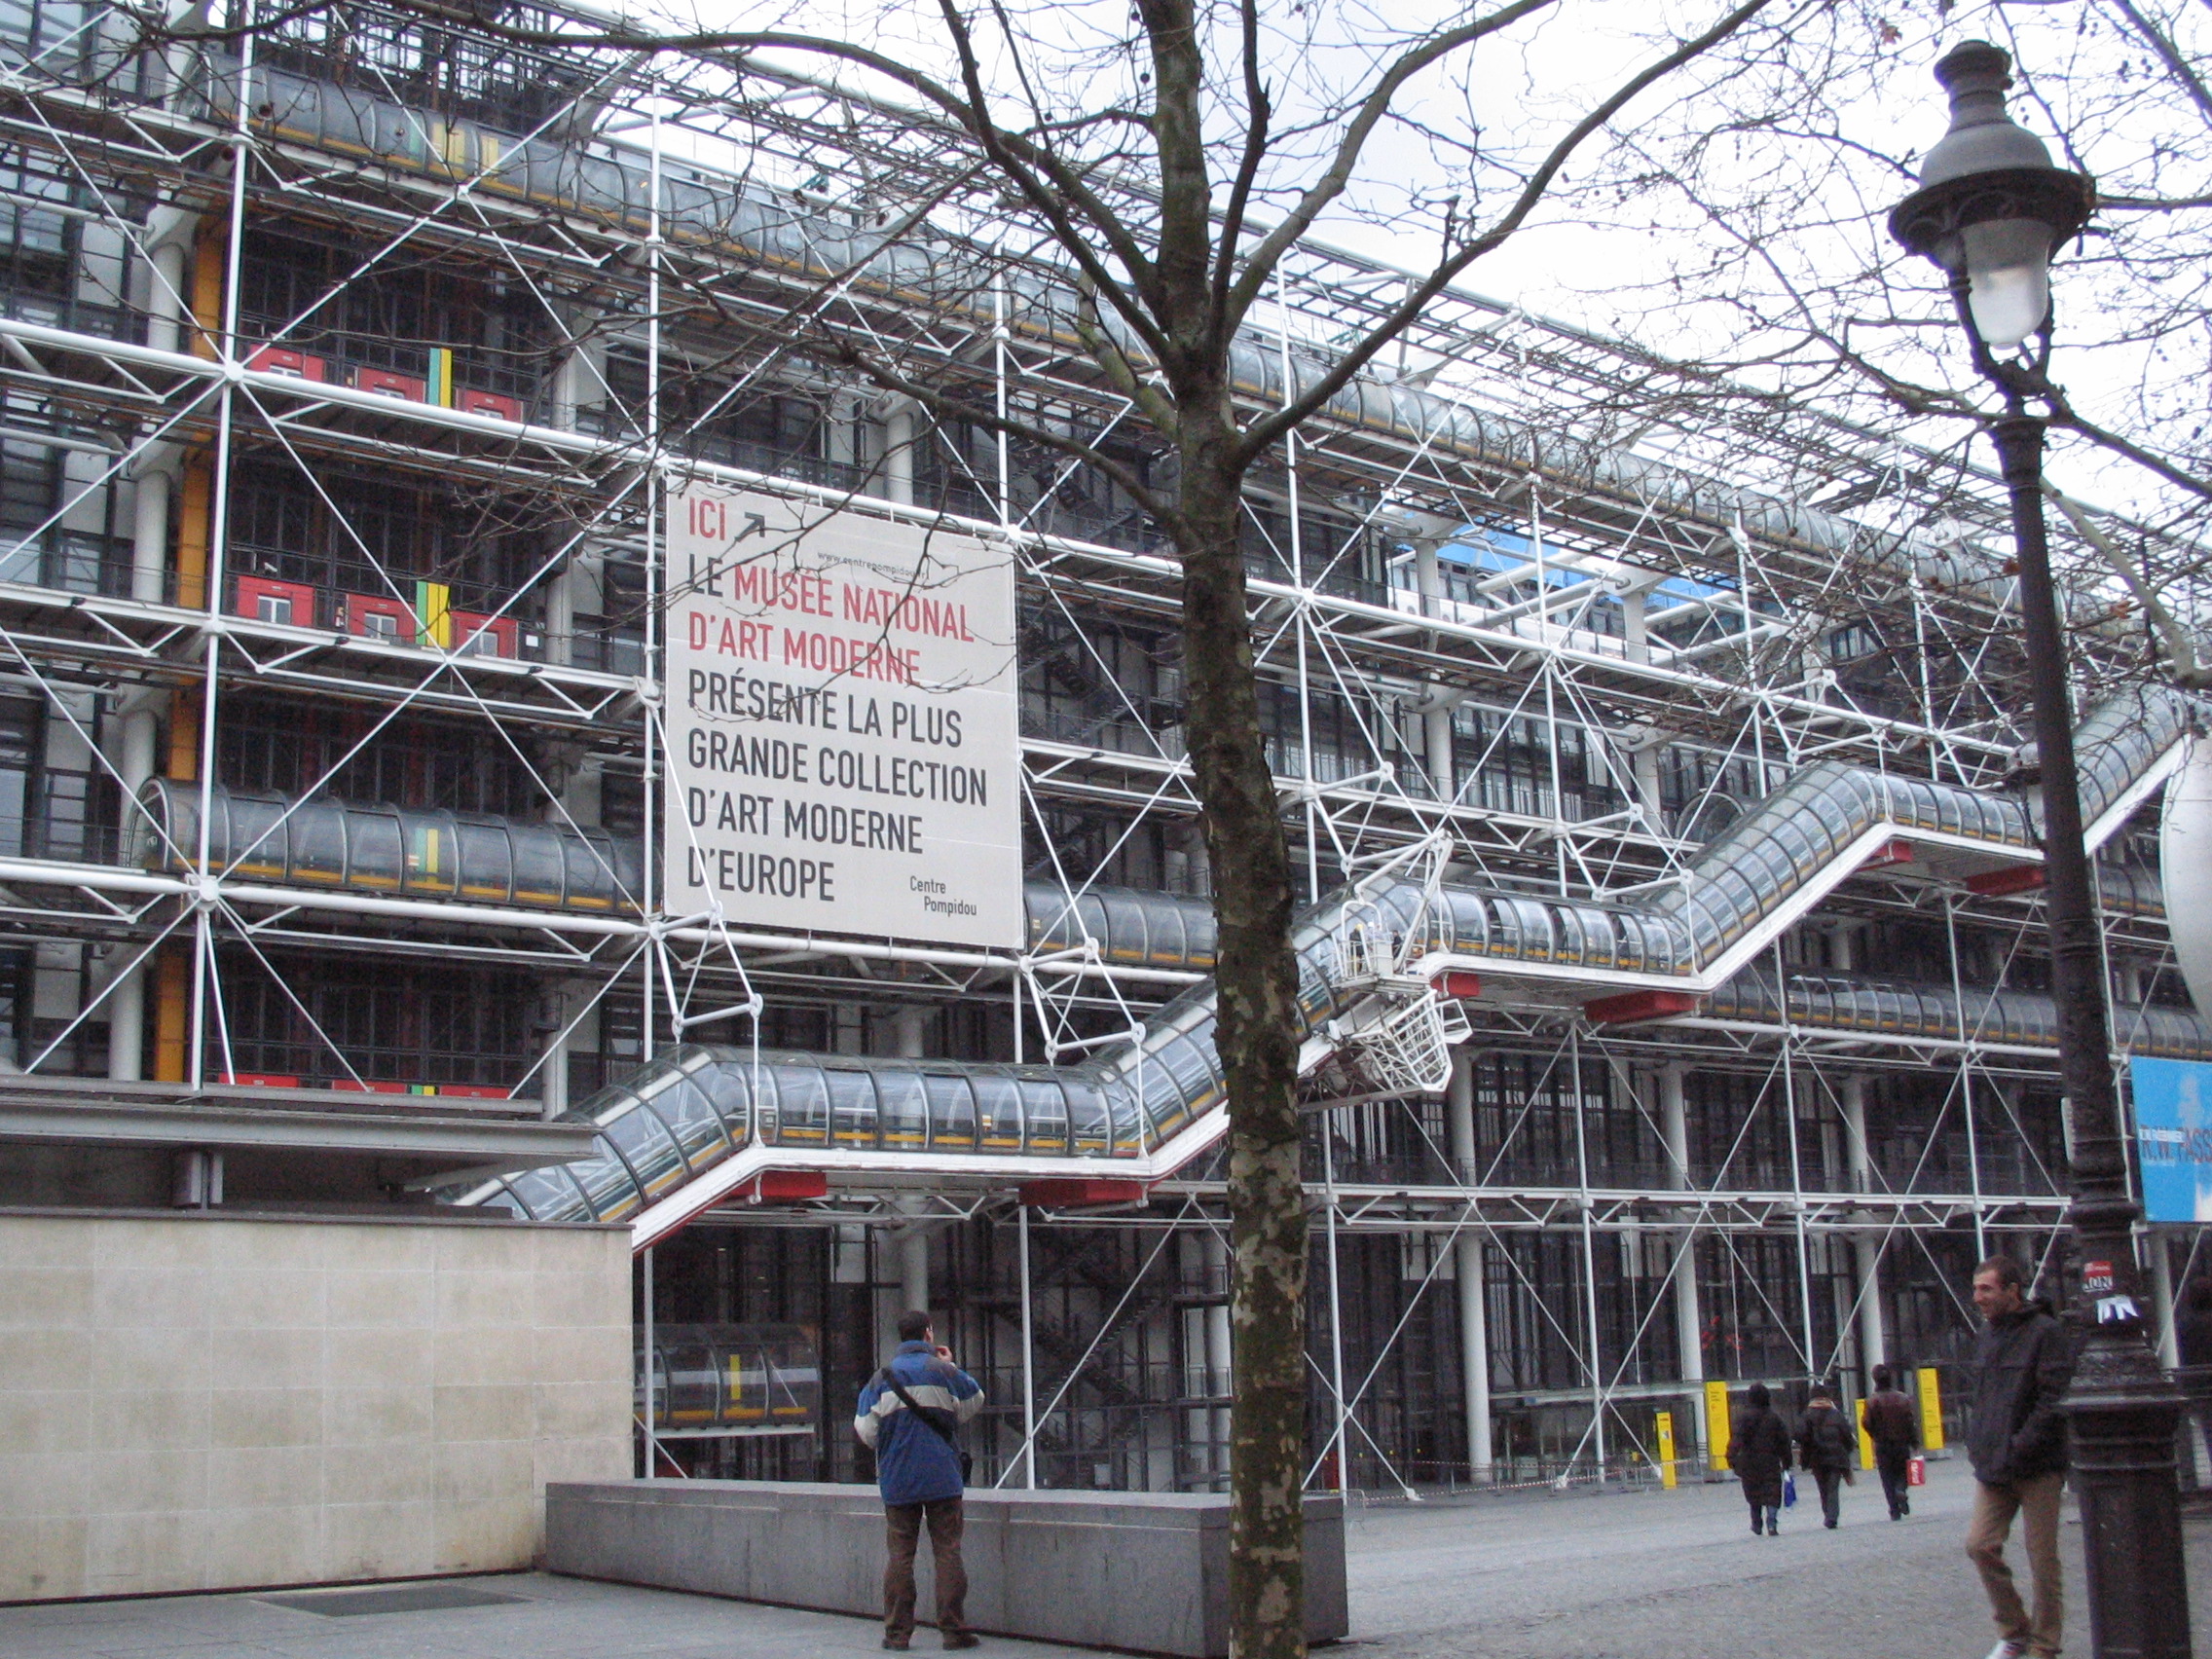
(1789, 1489)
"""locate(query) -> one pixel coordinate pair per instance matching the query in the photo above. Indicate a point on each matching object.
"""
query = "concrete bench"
(1145, 1572)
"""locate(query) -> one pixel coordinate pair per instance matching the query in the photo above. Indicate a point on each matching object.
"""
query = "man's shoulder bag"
(936, 1417)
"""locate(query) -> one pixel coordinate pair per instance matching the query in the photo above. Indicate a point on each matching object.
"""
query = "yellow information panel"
(1664, 1425)
(1716, 1431)
(1930, 1411)
(1865, 1440)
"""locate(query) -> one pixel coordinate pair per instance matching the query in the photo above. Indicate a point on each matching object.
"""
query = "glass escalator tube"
(375, 848)
(853, 1111)
(314, 842)
(952, 1114)
(246, 835)
(1044, 1114)
(998, 1111)
(903, 1109)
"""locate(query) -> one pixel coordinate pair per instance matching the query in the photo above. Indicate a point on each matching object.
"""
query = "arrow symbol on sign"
(755, 525)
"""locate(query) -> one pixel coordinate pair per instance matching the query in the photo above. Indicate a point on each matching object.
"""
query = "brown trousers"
(2036, 1502)
(903, 1522)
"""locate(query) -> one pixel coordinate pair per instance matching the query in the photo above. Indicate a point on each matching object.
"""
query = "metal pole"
(2122, 1407)
(1589, 1259)
(1336, 1301)
(652, 1439)
(1028, 1358)
(1474, 1310)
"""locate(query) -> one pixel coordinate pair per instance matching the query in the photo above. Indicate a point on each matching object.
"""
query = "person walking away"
(1759, 1453)
(2017, 1445)
(1893, 1427)
(1824, 1439)
(908, 1414)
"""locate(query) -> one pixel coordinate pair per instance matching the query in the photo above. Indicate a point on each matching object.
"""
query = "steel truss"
(1571, 651)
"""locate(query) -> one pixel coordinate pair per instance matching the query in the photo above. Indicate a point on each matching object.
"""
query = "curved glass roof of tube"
(696, 1105)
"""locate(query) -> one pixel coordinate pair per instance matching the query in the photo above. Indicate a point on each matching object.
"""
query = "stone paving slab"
(1677, 1575)
(1645, 1575)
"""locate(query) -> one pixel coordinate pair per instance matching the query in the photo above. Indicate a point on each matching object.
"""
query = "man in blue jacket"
(911, 1412)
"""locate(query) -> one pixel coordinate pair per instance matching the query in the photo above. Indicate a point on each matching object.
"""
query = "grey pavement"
(1645, 1575)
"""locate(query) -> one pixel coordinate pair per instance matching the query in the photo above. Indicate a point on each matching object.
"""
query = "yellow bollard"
(1930, 1411)
(1664, 1423)
(1865, 1440)
(1717, 1426)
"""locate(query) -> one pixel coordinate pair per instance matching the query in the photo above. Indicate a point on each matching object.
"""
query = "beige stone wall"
(201, 1401)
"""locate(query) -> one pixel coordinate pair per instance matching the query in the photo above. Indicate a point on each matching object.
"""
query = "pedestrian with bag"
(911, 1412)
(1759, 1453)
(1825, 1448)
(2023, 1363)
(1893, 1427)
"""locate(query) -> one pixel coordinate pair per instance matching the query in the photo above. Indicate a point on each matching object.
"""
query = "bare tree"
(1774, 262)
(1134, 183)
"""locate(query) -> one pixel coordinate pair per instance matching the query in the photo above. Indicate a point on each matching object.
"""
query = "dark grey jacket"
(2023, 1363)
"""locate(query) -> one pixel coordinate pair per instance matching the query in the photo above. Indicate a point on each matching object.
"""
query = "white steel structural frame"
(1731, 662)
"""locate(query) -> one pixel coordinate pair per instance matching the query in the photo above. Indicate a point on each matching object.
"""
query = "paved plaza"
(1645, 1575)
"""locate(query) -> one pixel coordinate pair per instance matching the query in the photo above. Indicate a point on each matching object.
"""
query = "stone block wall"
(205, 1401)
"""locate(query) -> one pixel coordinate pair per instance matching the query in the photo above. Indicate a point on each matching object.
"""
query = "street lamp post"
(1990, 210)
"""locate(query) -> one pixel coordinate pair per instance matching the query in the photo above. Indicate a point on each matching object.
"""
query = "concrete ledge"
(1144, 1572)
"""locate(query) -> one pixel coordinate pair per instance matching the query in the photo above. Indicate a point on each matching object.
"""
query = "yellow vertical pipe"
(207, 250)
(196, 508)
(184, 740)
(172, 1000)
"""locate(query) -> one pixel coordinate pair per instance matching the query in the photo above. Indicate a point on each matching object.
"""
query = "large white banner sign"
(840, 708)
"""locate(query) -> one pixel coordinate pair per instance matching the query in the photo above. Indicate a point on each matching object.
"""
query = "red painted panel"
(1059, 1192)
(782, 1186)
(1997, 883)
(1889, 853)
(385, 383)
(1457, 984)
(376, 618)
(476, 635)
(1634, 1006)
(282, 360)
(266, 600)
(498, 405)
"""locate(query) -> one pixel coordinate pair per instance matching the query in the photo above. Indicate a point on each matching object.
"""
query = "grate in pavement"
(394, 1598)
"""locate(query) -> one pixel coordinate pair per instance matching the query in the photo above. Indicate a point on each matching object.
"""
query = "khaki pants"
(2035, 1502)
(905, 1528)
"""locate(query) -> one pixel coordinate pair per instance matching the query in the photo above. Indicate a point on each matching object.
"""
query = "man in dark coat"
(1825, 1445)
(1893, 1427)
(1759, 1453)
(2017, 1444)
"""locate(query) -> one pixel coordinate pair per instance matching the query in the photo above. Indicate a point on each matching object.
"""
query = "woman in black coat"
(1759, 1451)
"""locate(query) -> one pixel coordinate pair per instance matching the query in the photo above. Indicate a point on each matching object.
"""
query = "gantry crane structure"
(1650, 741)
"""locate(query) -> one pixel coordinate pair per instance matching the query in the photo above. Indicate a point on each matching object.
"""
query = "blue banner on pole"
(2173, 1137)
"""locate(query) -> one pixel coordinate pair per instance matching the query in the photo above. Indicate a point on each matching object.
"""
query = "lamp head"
(1991, 205)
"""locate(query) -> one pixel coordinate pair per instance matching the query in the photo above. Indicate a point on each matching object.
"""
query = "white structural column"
(1643, 757)
(1690, 1317)
(170, 231)
(1219, 1359)
(899, 452)
(1471, 1273)
(127, 1001)
(914, 1243)
(153, 476)
(1866, 1241)
(2161, 1267)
